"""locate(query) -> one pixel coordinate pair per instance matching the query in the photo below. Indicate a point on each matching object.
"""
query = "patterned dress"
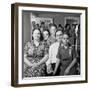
(66, 55)
(35, 55)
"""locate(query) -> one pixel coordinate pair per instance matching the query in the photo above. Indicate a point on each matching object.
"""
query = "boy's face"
(65, 39)
(52, 30)
(58, 36)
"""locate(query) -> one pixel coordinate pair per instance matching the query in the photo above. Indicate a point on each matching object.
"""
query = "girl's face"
(59, 36)
(45, 35)
(36, 34)
(52, 30)
(65, 39)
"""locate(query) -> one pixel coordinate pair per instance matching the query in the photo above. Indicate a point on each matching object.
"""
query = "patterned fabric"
(34, 56)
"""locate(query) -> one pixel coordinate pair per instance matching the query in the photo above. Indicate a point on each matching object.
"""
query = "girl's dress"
(66, 55)
(35, 55)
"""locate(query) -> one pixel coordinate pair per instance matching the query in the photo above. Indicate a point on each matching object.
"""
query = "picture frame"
(18, 40)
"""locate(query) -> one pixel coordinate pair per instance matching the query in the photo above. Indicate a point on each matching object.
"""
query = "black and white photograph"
(51, 44)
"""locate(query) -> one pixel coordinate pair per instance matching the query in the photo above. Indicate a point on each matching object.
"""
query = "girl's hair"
(41, 37)
(47, 31)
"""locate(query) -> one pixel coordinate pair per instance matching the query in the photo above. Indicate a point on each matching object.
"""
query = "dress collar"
(35, 45)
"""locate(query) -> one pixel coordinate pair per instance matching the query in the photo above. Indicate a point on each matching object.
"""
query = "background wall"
(58, 18)
(5, 45)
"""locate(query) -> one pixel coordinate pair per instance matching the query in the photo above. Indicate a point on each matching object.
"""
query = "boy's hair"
(53, 25)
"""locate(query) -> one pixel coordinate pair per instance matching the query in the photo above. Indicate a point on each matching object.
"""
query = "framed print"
(48, 44)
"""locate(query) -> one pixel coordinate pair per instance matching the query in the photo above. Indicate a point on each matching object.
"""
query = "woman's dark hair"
(41, 37)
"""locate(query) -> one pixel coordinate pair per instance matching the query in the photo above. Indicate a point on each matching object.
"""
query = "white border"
(51, 79)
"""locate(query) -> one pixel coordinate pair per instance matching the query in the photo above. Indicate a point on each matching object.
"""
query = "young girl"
(66, 57)
(52, 39)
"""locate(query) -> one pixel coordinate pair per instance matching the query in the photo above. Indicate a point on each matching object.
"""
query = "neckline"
(35, 45)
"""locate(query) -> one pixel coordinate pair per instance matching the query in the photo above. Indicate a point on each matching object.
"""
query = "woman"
(36, 57)
(66, 57)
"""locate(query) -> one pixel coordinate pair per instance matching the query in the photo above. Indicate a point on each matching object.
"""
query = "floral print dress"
(35, 55)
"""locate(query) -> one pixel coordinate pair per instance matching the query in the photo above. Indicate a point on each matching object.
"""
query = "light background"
(5, 45)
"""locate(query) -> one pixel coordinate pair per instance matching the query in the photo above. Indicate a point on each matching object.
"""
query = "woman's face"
(45, 35)
(65, 39)
(59, 36)
(36, 34)
(52, 30)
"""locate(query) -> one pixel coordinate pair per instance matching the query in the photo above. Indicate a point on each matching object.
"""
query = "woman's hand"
(54, 72)
(67, 71)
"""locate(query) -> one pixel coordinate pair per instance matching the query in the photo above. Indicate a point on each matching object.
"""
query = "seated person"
(66, 58)
(35, 56)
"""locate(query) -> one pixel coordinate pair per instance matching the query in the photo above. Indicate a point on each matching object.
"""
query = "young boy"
(52, 54)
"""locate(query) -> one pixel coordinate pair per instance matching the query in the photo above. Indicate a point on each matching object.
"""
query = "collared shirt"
(51, 40)
(53, 50)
